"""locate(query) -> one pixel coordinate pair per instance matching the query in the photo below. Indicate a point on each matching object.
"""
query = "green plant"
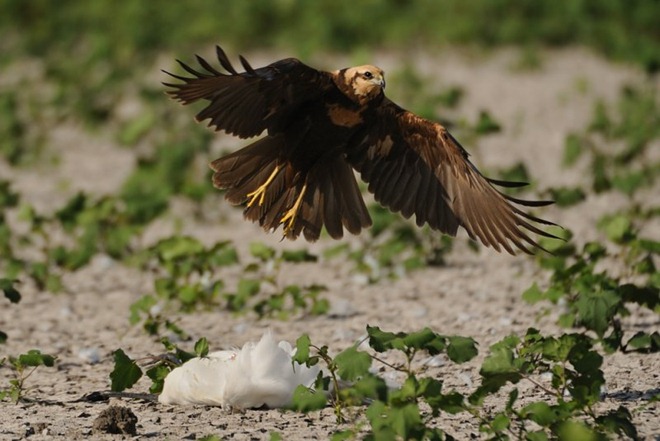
(393, 247)
(615, 145)
(127, 372)
(392, 413)
(23, 367)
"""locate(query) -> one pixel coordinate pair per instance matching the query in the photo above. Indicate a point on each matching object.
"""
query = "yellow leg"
(260, 193)
(290, 216)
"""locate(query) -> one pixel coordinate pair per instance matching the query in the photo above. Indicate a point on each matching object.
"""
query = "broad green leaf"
(618, 228)
(371, 386)
(34, 357)
(157, 375)
(352, 364)
(223, 254)
(500, 423)
(378, 415)
(645, 342)
(499, 361)
(596, 310)
(178, 247)
(533, 294)
(202, 347)
(461, 349)
(302, 349)
(407, 421)
(452, 402)
(541, 413)
(572, 149)
(419, 339)
(126, 372)
(306, 400)
(573, 431)
(565, 196)
(381, 341)
(406, 393)
(619, 421)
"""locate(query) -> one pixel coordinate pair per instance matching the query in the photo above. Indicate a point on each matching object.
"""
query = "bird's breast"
(343, 116)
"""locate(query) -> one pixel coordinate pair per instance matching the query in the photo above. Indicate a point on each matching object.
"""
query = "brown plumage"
(322, 125)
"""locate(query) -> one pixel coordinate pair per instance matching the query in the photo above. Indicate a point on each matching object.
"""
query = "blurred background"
(82, 107)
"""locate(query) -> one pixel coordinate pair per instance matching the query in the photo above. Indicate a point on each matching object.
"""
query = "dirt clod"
(116, 420)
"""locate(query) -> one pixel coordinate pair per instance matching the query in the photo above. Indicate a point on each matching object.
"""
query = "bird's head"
(366, 82)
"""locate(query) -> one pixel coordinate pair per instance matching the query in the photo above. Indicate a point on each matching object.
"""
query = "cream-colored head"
(364, 82)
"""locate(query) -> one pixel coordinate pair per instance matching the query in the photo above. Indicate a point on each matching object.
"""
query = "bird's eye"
(368, 75)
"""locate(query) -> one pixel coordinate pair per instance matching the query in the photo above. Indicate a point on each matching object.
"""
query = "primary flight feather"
(319, 127)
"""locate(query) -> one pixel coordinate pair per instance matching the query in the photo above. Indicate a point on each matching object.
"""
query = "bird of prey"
(320, 126)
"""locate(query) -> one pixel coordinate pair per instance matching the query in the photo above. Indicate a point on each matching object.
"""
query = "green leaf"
(419, 339)
(461, 349)
(34, 358)
(565, 196)
(126, 372)
(262, 251)
(178, 247)
(12, 294)
(486, 124)
(223, 254)
(619, 421)
(533, 294)
(499, 361)
(157, 375)
(596, 310)
(407, 421)
(573, 430)
(541, 413)
(572, 149)
(371, 386)
(307, 400)
(538, 435)
(381, 341)
(452, 402)
(500, 423)
(3, 339)
(298, 256)
(202, 347)
(352, 364)
(141, 306)
(644, 342)
(302, 349)
(618, 228)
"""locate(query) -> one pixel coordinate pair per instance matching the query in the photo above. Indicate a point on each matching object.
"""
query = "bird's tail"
(276, 192)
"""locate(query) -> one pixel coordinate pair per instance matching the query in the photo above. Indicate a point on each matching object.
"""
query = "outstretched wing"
(247, 103)
(415, 166)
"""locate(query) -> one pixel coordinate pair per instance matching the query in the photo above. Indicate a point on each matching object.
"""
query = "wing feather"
(415, 166)
(247, 103)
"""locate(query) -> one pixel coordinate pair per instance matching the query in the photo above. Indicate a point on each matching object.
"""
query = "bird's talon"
(260, 192)
(289, 217)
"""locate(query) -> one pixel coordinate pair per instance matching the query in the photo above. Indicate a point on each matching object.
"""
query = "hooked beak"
(380, 80)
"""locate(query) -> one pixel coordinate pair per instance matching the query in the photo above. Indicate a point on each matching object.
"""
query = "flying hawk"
(320, 126)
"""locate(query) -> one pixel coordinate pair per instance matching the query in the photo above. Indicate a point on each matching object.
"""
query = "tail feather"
(261, 177)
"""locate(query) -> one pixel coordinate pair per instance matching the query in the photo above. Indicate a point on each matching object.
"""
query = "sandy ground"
(475, 294)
